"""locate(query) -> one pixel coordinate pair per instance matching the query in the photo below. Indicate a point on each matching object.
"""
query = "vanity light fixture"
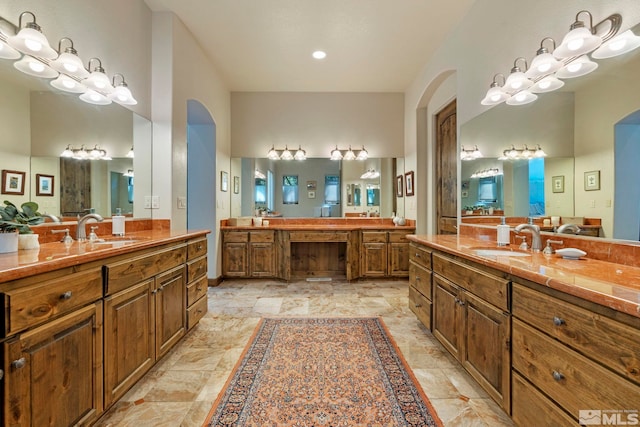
(370, 174)
(524, 153)
(485, 173)
(131, 154)
(362, 154)
(286, 154)
(349, 154)
(83, 153)
(93, 97)
(7, 29)
(121, 93)
(319, 54)
(68, 84)
(568, 60)
(33, 67)
(30, 39)
(470, 154)
(69, 62)
(98, 80)
(336, 154)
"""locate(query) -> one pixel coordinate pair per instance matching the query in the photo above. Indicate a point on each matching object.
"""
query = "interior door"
(446, 170)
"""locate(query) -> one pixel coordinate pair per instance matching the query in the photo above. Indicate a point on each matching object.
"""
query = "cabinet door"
(54, 372)
(374, 259)
(235, 259)
(128, 338)
(399, 259)
(263, 260)
(446, 315)
(486, 354)
(170, 309)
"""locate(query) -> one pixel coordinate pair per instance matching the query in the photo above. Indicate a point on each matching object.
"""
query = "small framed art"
(44, 185)
(591, 180)
(557, 184)
(13, 182)
(408, 183)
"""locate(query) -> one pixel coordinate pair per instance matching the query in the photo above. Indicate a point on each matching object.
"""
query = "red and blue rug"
(322, 372)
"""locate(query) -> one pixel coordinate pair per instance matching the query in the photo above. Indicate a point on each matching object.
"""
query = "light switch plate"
(182, 203)
(155, 202)
(147, 202)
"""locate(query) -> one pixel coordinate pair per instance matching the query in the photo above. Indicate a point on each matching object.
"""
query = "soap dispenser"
(117, 223)
(504, 232)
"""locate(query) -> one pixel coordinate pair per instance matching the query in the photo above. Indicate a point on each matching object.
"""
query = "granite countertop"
(56, 255)
(319, 227)
(609, 284)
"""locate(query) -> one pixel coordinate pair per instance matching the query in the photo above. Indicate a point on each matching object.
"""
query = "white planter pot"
(28, 241)
(8, 242)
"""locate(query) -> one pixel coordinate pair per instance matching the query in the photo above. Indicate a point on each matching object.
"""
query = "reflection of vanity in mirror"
(39, 122)
(589, 127)
(359, 193)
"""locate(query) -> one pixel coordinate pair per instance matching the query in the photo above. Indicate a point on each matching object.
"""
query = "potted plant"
(16, 221)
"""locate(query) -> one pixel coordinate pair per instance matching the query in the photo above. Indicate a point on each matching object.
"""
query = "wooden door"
(486, 334)
(446, 170)
(54, 372)
(374, 259)
(446, 315)
(262, 259)
(235, 259)
(170, 308)
(129, 351)
(75, 186)
(398, 259)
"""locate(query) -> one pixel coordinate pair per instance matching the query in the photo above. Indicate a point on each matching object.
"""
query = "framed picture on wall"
(557, 184)
(224, 181)
(236, 184)
(13, 182)
(591, 180)
(44, 185)
(399, 186)
(408, 183)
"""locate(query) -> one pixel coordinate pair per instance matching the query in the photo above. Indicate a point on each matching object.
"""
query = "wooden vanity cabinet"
(471, 319)
(249, 253)
(197, 281)
(571, 355)
(420, 284)
(384, 253)
(52, 356)
(147, 290)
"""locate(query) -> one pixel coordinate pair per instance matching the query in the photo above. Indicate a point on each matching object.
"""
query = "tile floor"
(180, 389)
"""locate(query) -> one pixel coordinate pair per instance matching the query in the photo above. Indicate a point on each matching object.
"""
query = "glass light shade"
(131, 154)
(547, 84)
(122, 95)
(286, 154)
(539, 152)
(93, 97)
(67, 152)
(273, 154)
(67, 84)
(71, 65)
(579, 67)
(349, 155)
(99, 82)
(619, 45)
(32, 42)
(577, 42)
(543, 64)
(522, 98)
(33, 67)
(7, 52)
(495, 95)
(517, 81)
(362, 155)
(336, 154)
(300, 154)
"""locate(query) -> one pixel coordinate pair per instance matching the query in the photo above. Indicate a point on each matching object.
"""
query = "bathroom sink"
(115, 242)
(500, 252)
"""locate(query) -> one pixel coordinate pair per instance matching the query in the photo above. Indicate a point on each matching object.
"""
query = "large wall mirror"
(324, 187)
(588, 128)
(38, 122)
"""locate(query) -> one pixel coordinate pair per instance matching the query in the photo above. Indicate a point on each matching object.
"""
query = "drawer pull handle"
(418, 278)
(20, 363)
(418, 305)
(557, 376)
(199, 247)
(199, 289)
(558, 321)
(417, 255)
(66, 295)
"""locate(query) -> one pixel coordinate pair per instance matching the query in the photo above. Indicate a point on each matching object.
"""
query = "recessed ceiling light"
(319, 54)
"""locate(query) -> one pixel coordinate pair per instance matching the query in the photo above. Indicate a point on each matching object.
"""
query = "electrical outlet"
(155, 202)
(182, 203)
(592, 203)
(607, 203)
(147, 202)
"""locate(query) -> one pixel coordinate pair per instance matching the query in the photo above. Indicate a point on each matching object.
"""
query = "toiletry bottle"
(117, 223)
(504, 232)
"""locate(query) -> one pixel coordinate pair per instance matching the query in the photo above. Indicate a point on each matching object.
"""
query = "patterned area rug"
(322, 372)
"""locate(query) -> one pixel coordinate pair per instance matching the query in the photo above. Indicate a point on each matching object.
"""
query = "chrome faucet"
(536, 243)
(81, 232)
(568, 228)
(53, 218)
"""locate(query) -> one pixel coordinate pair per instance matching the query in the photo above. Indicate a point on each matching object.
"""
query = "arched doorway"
(201, 175)
(626, 209)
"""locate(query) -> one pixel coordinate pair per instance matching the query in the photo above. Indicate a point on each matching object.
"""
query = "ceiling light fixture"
(470, 154)
(319, 54)
(568, 60)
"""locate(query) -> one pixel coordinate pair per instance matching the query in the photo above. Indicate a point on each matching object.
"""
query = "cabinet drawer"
(196, 312)
(196, 268)
(236, 236)
(420, 279)
(611, 343)
(319, 236)
(490, 288)
(570, 379)
(398, 236)
(262, 237)
(197, 290)
(374, 237)
(420, 306)
(420, 255)
(196, 248)
(30, 305)
(532, 408)
(120, 275)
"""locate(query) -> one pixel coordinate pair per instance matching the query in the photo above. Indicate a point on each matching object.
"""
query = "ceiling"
(266, 45)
